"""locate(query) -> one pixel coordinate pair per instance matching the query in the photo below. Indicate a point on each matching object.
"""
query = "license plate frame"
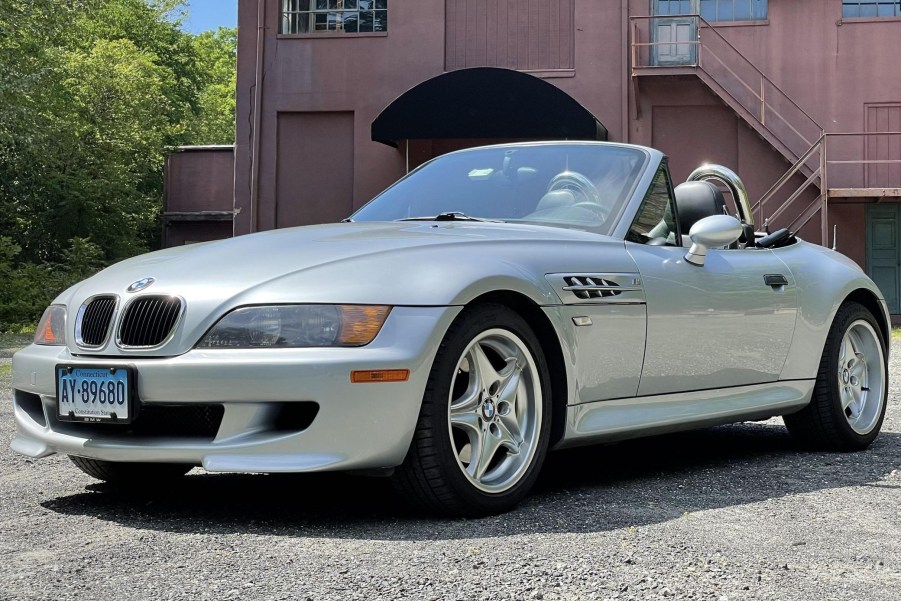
(93, 411)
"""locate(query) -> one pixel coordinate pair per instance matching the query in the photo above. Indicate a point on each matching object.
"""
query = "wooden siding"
(529, 35)
(883, 118)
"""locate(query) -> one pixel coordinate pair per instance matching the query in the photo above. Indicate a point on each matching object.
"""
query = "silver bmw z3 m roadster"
(493, 305)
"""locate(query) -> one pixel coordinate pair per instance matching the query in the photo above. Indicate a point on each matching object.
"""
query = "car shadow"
(633, 483)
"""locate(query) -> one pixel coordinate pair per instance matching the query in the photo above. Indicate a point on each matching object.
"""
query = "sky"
(204, 15)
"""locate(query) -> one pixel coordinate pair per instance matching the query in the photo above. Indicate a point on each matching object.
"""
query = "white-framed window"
(733, 10)
(333, 16)
(871, 8)
(714, 11)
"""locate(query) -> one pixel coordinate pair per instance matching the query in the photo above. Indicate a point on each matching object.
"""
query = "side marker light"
(380, 375)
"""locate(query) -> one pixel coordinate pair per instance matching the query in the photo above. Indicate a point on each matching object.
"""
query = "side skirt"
(619, 419)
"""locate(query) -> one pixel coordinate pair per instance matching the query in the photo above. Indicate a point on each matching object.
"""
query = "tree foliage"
(92, 93)
(214, 122)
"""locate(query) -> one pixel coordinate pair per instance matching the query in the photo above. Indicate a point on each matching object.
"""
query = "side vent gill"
(586, 287)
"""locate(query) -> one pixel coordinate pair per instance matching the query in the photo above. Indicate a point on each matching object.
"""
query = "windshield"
(582, 186)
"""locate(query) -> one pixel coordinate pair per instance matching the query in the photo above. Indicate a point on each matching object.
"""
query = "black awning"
(485, 102)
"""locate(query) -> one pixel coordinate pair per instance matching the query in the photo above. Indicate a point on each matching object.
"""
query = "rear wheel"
(483, 428)
(121, 472)
(849, 399)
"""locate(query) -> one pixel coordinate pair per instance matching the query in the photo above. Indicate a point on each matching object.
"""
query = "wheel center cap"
(846, 376)
(488, 409)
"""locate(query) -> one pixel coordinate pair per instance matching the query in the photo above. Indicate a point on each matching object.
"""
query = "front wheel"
(484, 424)
(849, 399)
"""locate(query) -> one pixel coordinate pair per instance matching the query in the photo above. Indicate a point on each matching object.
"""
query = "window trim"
(312, 12)
(695, 8)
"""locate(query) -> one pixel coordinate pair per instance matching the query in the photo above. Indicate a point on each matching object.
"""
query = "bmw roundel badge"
(140, 284)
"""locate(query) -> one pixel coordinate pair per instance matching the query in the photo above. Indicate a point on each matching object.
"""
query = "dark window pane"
(365, 4)
(366, 21)
(321, 4)
(351, 22)
(381, 4)
(350, 4)
(381, 21)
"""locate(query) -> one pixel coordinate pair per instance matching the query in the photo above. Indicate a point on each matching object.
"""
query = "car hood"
(393, 263)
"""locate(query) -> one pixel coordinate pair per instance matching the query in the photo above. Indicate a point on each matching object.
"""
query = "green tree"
(217, 53)
(92, 93)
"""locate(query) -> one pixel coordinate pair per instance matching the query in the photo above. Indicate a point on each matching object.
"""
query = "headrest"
(696, 200)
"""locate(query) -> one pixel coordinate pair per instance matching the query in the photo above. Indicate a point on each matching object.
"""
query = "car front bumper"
(357, 426)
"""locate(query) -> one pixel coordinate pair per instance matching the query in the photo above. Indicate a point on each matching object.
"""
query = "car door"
(726, 323)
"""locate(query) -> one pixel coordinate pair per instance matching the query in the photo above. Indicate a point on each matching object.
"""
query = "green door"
(884, 251)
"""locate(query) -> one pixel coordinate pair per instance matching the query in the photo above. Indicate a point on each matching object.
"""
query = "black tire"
(825, 424)
(130, 473)
(435, 475)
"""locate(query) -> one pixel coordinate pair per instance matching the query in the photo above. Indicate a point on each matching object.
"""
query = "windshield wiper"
(450, 216)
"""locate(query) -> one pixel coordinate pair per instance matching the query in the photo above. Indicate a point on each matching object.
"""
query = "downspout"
(255, 133)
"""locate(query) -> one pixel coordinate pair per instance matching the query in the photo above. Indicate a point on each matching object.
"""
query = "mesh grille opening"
(95, 321)
(149, 320)
(155, 421)
(587, 281)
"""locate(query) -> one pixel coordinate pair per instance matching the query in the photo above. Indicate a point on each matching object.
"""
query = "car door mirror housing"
(715, 231)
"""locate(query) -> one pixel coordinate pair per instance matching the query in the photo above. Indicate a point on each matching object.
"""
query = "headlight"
(52, 327)
(297, 326)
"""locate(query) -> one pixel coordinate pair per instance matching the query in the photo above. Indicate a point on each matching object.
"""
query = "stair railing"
(744, 82)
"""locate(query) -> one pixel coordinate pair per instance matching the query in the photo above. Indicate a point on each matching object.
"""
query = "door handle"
(775, 279)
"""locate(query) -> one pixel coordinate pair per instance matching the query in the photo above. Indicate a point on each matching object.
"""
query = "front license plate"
(94, 394)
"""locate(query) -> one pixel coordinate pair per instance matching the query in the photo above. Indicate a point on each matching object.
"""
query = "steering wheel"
(586, 193)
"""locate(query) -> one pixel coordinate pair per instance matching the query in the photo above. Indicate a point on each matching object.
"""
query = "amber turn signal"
(380, 375)
(360, 323)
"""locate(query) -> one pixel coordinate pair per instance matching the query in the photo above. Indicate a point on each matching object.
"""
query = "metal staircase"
(687, 44)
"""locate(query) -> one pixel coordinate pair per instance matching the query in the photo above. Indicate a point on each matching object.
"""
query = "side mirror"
(715, 231)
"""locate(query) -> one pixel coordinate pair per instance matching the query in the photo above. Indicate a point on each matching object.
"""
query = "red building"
(336, 99)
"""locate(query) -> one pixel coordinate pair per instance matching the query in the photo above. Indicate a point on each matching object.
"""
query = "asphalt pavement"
(736, 512)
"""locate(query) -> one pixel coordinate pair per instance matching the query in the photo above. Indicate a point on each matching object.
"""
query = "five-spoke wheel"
(484, 424)
(849, 399)
(495, 410)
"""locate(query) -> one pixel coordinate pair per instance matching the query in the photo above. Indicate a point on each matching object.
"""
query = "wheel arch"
(869, 300)
(550, 344)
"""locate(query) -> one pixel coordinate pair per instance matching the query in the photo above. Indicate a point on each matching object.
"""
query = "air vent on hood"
(149, 321)
(94, 320)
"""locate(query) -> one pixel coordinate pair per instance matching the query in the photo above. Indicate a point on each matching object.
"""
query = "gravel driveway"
(728, 513)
